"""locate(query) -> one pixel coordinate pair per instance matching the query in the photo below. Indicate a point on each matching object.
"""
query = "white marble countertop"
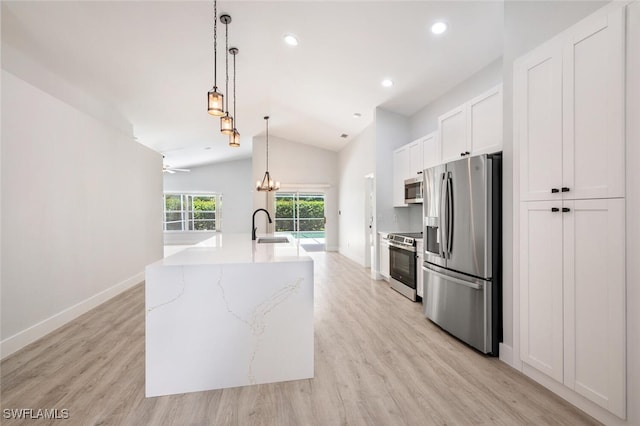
(227, 248)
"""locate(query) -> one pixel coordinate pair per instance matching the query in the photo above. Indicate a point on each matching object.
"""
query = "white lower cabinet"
(383, 247)
(572, 295)
(419, 260)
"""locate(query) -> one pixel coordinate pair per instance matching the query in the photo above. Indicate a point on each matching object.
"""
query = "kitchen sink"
(272, 240)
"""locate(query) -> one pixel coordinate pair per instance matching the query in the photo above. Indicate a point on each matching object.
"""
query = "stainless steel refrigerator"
(463, 249)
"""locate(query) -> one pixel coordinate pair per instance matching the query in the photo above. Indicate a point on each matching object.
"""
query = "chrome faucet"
(253, 222)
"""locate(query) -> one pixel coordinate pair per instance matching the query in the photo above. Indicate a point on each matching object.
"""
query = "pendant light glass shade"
(215, 101)
(226, 124)
(234, 139)
(267, 184)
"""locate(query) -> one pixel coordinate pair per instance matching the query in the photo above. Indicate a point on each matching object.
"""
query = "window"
(192, 212)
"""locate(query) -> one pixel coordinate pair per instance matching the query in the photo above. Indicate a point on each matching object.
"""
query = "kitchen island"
(228, 312)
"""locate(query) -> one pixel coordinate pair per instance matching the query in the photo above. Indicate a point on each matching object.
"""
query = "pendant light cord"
(226, 90)
(267, 119)
(215, 43)
(235, 116)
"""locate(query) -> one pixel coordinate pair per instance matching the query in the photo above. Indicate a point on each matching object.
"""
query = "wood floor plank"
(378, 361)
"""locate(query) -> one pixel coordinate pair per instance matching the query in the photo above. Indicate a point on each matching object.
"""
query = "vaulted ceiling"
(153, 62)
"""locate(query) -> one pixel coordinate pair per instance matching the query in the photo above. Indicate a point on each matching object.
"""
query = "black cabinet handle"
(565, 189)
(554, 190)
(555, 209)
(462, 154)
(419, 173)
(566, 209)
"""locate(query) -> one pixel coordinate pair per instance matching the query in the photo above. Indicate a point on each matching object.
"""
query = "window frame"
(187, 212)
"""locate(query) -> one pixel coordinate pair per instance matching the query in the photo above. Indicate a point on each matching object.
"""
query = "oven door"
(402, 266)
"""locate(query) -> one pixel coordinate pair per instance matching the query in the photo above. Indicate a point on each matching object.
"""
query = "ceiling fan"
(168, 169)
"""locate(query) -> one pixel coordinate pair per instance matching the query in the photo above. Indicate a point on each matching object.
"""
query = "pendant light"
(234, 138)
(267, 183)
(215, 99)
(226, 121)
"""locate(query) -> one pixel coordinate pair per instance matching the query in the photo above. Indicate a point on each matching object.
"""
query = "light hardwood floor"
(377, 362)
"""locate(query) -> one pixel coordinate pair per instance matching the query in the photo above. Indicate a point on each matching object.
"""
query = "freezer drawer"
(460, 305)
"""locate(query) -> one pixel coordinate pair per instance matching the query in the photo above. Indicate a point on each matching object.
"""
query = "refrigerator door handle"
(441, 227)
(449, 215)
(453, 279)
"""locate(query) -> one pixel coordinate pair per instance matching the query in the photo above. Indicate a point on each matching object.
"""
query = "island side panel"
(218, 326)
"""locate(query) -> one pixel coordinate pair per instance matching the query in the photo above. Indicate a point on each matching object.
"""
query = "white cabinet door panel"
(541, 325)
(400, 166)
(453, 134)
(593, 109)
(485, 122)
(431, 150)
(594, 301)
(415, 159)
(538, 121)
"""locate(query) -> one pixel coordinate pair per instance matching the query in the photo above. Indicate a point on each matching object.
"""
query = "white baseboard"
(19, 340)
(506, 354)
(574, 398)
(331, 248)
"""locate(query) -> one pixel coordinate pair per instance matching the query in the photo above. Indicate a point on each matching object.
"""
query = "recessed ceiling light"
(291, 40)
(387, 83)
(357, 115)
(439, 27)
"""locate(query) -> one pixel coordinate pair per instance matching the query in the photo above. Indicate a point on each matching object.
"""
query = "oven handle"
(452, 279)
(398, 246)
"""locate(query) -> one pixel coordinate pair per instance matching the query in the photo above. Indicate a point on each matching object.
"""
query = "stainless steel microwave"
(413, 190)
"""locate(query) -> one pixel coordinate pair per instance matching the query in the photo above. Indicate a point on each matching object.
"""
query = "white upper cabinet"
(472, 128)
(485, 122)
(415, 159)
(569, 103)
(538, 122)
(593, 108)
(431, 151)
(453, 133)
(401, 166)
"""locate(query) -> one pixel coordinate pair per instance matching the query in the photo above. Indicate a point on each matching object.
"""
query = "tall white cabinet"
(569, 129)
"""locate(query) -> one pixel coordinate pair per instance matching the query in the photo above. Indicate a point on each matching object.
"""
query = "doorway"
(302, 215)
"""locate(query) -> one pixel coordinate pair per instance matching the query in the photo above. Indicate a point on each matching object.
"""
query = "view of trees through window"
(298, 212)
(190, 212)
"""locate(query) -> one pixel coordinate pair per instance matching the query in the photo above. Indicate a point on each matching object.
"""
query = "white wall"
(297, 167)
(425, 120)
(391, 132)
(81, 210)
(233, 179)
(356, 160)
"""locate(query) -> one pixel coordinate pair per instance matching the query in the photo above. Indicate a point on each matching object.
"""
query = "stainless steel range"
(402, 263)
